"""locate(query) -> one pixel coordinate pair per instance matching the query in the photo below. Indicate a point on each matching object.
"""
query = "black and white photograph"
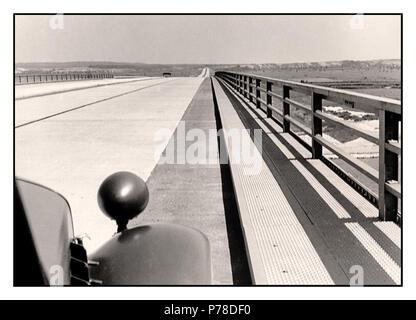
(204, 150)
(201, 160)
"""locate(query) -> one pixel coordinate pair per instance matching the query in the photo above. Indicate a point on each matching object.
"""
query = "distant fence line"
(58, 77)
(263, 91)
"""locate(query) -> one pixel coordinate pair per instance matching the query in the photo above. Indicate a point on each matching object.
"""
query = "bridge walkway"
(305, 226)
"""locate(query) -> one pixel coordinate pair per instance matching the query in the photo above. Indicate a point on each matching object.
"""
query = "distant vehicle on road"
(167, 74)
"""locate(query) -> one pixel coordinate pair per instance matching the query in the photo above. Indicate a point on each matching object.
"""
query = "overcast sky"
(206, 39)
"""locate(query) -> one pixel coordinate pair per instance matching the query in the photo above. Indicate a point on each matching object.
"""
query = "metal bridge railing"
(389, 111)
(57, 77)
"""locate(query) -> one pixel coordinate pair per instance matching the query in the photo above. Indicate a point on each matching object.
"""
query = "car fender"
(158, 254)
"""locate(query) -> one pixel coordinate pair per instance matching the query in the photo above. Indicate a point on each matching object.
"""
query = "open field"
(329, 74)
(392, 93)
(322, 71)
(118, 69)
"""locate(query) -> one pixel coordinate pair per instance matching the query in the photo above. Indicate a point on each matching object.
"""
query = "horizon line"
(201, 63)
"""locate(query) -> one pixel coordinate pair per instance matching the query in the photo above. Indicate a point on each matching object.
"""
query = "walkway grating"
(279, 248)
(339, 223)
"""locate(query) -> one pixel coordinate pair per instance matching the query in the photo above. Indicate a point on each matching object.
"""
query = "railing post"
(269, 100)
(245, 87)
(250, 90)
(316, 124)
(258, 83)
(286, 109)
(388, 165)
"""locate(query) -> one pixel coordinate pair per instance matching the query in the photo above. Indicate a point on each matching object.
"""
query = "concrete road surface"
(37, 108)
(205, 73)
(40, 89)
(72, 141)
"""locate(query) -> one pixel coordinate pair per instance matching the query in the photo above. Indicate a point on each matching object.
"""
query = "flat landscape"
(373, 70)
(313, 72)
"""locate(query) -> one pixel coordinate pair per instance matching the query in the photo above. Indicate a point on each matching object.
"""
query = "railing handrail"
(388, 110)
(59, 76)
(377, 102)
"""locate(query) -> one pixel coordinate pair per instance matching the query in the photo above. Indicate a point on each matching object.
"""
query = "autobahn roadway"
(72, 140)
